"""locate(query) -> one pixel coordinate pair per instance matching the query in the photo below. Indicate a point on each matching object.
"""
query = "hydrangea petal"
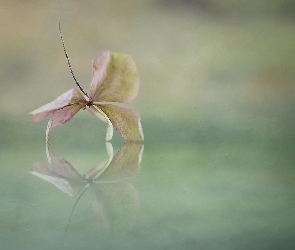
(115, 78)
(101, 115)
(71, 96)
(126, 121)
(63, 115)
(60, 117)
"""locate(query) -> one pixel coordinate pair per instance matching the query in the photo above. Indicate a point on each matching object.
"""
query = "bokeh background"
(217, 91)
(207, 68)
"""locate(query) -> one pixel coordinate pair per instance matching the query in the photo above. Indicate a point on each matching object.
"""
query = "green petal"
(126, 121)
(115, 78)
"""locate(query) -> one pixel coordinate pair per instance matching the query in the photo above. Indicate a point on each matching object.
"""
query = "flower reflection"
(115, 201)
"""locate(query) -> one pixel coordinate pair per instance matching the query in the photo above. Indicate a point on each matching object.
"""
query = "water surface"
(230, 195)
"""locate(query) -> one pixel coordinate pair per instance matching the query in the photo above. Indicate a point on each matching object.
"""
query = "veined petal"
(115, 78)
(93, 110)
(126, 121)
(64, 114)
(101, 115)
(71, 96)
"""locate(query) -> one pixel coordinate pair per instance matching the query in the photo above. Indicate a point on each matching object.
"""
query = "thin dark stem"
(69, 64)
(80, 195)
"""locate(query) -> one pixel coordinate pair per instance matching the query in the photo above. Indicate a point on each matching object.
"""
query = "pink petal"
(63, 115)
(71, 96)
(60, 117)
(126, 121)
(115, 78)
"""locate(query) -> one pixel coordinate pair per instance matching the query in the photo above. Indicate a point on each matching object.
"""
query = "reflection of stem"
(99, 212)
(80, 195)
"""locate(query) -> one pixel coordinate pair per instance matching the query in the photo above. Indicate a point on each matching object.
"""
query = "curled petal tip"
(140, 130)
(126, 121)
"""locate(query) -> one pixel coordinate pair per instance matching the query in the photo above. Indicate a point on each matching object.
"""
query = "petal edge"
(126, 121)
(72, 95)
(115, 78)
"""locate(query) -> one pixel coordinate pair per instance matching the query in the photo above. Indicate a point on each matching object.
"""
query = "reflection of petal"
(116, 204)
(67, 186)
(100, 213)
(98, 170)
(126, 121)
(125, 163)
(40, 168)
(110, 150)
(115, 78)
(71, 96)
(64, 169)
(64, 176)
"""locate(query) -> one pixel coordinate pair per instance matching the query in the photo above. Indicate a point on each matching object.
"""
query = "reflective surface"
(182, 197)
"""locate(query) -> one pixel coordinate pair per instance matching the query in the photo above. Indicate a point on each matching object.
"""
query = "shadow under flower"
(115, 201)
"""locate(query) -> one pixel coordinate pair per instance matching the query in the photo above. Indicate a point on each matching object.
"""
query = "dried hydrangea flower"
(115, 80)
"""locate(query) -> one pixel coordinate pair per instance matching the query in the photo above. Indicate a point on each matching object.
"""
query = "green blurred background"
(208, 69)
(217, 93)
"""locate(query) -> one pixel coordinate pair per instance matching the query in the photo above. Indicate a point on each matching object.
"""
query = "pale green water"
(235, 194)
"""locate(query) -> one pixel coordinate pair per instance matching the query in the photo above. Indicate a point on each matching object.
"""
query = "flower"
(115, 80)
